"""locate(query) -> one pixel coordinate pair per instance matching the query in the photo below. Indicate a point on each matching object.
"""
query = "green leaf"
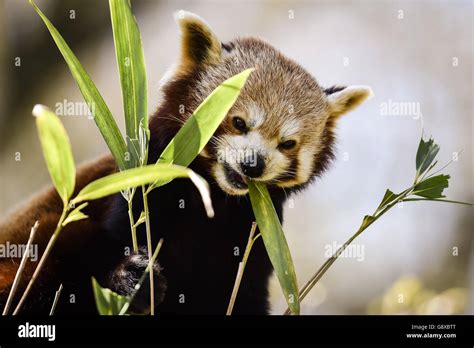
(199, 128)
(102, 116)
(132, 72)
(76, 215)
(142, 176)
(366, 221)
(107, 301)
(388, 198)
(427, 151)
(432, 187)
(129, 178)
(56, 151)
(275, 243)
(141, 219)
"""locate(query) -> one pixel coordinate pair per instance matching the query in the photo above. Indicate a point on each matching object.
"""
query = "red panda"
(280, 131)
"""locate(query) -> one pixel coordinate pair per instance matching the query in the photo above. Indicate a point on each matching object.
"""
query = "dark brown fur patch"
(228, 46)
(197, 43)
(325, 156)
(333, 89)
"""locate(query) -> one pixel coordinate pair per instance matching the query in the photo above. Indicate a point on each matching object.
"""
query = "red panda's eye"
(289, 144)
(239, 124)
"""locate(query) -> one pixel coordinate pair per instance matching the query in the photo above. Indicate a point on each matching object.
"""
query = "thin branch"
(148, 239)
(443, 167)
(323, 269)
(56, 298)
(133, 226)
(19, 272)
(42, 261)
(241, 269)
(436, 200)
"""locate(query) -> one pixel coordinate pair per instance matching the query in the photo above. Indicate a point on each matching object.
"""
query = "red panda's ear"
(344, 99)
(199, 45)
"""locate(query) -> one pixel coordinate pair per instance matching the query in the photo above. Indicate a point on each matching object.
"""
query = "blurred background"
(416, 56)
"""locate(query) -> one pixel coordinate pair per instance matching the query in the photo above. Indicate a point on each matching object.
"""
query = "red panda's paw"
(128, 273)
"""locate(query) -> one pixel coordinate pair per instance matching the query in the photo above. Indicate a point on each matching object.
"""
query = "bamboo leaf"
(432, 187)
(56, 151)
(102, 115)
(107, 301)
(425, 155)
(76, 215)
(275, 243)
(136, 177)
(129, 178)
(132, 72)
(199, 128)
(388, 198)
(141, 219)
(366, 221)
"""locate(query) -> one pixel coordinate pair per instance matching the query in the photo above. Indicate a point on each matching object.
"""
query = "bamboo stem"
(241, 269)
(42, 261)
(150, 254)
(56, 298)
(19, 272)
(132, 225)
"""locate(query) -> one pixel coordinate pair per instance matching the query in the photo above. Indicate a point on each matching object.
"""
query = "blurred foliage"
(408, 295)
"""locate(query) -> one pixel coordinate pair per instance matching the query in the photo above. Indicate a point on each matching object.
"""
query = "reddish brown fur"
(46, 207)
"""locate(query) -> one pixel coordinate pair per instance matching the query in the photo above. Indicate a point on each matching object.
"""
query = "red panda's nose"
(253, 166)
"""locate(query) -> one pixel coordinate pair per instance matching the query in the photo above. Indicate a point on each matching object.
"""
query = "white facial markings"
(290, 128)
(305, 163)
(305, 167)
(234, 148)
(256, 116)
(276, 165)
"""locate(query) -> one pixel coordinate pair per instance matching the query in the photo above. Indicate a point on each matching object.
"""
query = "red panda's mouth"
(235, 179)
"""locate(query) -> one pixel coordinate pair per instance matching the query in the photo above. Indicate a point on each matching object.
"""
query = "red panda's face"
(248, 146)
(279, 131)
(262, 141)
